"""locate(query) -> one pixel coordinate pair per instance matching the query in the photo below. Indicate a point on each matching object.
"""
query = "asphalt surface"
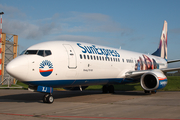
(89, 105)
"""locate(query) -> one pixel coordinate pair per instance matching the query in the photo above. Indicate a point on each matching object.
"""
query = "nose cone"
(18, 68)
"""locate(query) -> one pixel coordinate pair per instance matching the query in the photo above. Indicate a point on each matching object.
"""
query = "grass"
(173, 85)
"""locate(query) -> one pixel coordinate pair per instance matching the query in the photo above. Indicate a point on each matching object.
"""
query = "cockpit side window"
(47, 52)
(41, 53)
(31, 52)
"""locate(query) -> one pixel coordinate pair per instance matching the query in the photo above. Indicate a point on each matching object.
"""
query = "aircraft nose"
(18, 68)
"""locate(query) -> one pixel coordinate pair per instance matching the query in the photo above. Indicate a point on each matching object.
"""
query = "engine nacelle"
(153, 80)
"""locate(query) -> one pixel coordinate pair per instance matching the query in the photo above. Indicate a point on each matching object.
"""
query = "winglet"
(162, 49)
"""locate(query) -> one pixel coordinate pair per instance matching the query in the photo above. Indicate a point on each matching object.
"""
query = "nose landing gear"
(48, 98)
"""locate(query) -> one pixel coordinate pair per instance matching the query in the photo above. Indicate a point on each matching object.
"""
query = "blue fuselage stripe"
(72, 83)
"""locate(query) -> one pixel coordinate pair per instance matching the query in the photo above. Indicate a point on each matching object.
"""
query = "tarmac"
(89, 105)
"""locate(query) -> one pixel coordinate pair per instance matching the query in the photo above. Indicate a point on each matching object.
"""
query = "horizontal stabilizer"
(172, 61)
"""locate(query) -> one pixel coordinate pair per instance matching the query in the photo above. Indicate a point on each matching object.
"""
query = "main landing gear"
(48, 98)
(150, 92)
(108, 88)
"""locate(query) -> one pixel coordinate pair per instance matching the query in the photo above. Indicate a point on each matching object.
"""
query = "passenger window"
(91, 57)
(41, 53)
(103, 58)
(94, 57)
(97, 57)
(80, 56)
(31, 52)
(84, 56)
(87, 56)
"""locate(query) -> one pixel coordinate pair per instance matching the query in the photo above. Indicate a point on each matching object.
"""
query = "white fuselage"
(76, 63)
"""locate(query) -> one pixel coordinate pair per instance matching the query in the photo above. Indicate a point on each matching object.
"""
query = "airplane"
(77, 65)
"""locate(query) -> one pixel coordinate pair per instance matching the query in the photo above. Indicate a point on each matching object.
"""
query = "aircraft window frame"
(44, 53)
(94, 57)
(40, 54)
(80, 56)
(31, 52)
(91, 57)
(84, 56)
(99, 57)
(47, 53)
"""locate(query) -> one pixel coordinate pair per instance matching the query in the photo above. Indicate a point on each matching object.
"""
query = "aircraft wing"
(138, 74)
(170, 69)
(172, 61)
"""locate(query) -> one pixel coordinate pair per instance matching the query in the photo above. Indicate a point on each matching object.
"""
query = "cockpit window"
(42, 53)
(47, 52)
(30, 52)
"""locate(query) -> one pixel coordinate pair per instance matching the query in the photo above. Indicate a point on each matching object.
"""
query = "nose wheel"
(48, 98)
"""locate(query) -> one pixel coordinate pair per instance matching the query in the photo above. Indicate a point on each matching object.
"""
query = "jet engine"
(153, 80)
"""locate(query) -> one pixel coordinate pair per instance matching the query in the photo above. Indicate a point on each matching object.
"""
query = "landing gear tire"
(108, 88)
(147, 92)
(105, 89)
(48, 98)
(150, 92)
(111, 89)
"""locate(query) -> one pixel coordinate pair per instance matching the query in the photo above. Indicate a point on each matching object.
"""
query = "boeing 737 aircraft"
(73, 65)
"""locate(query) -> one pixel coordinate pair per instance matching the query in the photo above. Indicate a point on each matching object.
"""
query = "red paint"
(55, 116)
(50, 70)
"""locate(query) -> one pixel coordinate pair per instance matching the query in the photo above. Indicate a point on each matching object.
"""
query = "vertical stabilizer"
(162, 49)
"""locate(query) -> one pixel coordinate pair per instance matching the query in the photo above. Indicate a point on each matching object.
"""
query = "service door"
(72, 63)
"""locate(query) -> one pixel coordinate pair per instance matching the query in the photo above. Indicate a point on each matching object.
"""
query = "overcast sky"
(134, 25)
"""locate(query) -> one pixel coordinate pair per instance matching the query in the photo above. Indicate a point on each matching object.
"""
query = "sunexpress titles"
(100, 51)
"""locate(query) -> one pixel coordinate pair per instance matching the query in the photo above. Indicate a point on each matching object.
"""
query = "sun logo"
(46, 68)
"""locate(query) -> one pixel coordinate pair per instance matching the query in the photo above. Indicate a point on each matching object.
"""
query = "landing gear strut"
(108, 88)
(48, 98)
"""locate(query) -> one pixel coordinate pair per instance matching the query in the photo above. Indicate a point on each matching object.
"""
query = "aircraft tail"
(162, 49)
